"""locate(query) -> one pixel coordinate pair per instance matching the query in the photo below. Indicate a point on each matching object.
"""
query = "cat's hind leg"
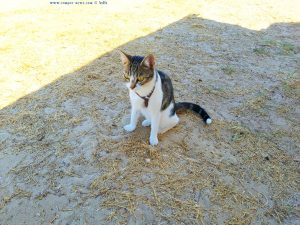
(167, 124)
(147, 121)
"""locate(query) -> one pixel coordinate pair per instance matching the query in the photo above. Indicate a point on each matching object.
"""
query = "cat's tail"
(195, 108)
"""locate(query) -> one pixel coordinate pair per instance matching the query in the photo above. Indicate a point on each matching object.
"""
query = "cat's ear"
(149, 61)
(125, 58)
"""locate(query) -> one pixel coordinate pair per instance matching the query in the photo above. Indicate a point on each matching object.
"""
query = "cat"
(151, 94)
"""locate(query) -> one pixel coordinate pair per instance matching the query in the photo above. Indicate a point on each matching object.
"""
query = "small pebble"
(147, 160)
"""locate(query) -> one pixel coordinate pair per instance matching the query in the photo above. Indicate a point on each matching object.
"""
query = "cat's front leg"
(133, 120)
(154, 129)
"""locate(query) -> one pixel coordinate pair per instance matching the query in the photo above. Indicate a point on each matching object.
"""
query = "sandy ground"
(64, 157)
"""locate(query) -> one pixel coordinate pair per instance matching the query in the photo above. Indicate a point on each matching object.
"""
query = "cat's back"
(163, 76)
(167, 89)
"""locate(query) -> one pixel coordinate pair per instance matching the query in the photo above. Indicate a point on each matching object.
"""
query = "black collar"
(147, 97)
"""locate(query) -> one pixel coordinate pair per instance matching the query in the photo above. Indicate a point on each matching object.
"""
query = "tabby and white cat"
(151, 94)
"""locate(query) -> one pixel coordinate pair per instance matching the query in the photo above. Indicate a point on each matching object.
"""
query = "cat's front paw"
(129, 128)
(146, 123)
(153, 140)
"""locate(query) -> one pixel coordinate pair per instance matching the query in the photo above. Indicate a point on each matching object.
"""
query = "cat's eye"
(126, 76)
(141, 78)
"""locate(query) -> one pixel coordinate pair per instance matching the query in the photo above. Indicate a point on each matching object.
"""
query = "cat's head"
(138, 70)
